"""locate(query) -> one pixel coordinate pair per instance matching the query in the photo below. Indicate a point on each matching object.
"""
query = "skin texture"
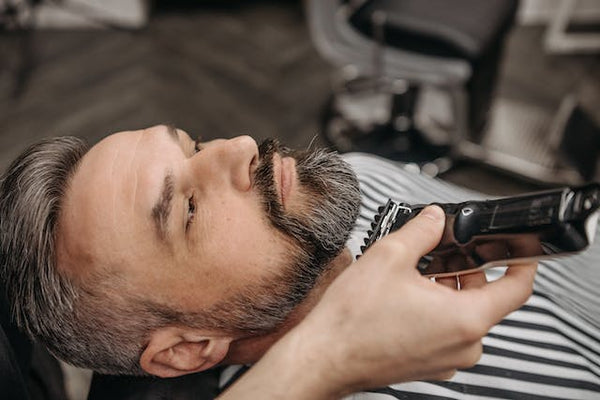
(351, 341)
(339, 339)
(116, 188)
(217, 240)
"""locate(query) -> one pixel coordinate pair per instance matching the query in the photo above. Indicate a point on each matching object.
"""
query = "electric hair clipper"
(512, 230)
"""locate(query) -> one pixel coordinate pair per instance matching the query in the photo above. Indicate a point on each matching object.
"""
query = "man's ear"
(175, 351)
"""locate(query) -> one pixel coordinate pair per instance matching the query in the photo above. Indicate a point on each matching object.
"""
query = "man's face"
(225, 229)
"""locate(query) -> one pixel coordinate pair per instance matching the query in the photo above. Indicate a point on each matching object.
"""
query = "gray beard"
(318, 236)
(331, 193)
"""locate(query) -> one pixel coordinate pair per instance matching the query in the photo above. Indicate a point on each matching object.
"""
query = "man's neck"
(250, 350)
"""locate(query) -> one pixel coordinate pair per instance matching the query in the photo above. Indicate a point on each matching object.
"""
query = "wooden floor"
(219, 72)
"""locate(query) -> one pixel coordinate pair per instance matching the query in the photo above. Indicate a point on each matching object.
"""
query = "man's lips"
(252, 170)
(283, 173)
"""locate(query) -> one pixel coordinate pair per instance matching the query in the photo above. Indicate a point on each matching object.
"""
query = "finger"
(418, 237)
(470, 355)
(443, 376)
(448, 281)
(472, 281)
(497, 299)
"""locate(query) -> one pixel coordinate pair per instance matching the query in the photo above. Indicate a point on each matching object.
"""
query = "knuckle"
(391, 249)
(526, 295)
(471, 356)
(471, 330)
(527, 292)
(467, 333)
(445, 376)
(429, 231)
(448, 375)
(522, 292)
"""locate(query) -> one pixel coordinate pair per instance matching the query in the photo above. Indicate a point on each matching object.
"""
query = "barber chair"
(416, 84)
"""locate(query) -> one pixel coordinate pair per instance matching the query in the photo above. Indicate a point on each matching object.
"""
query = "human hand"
(381, 322)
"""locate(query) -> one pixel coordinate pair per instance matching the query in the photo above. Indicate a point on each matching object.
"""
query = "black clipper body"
(512, 230)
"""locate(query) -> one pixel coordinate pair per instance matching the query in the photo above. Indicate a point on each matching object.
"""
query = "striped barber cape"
(548, 349)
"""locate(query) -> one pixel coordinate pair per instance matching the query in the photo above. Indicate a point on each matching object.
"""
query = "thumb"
(418, 237)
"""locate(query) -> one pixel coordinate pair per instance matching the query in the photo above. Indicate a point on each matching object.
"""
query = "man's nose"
(232, 160)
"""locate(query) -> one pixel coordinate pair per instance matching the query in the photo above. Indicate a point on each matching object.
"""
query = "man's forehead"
(107, 195)
(103, 169)
(122, 142)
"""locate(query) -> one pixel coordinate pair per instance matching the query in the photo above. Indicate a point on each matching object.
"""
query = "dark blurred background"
(223, 68)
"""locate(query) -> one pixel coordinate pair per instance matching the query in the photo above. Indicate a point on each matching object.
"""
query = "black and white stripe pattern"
(548, 349)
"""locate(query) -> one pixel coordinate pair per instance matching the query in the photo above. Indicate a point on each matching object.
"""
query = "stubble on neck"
(248, 350)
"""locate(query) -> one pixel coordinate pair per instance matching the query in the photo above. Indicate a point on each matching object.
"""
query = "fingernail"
(433, 212)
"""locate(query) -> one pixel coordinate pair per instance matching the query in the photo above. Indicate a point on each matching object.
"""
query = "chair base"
(373, 131)
(520, 139)
(532, 143)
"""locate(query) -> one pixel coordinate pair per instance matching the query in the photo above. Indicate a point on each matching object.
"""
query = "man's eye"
(191, 211)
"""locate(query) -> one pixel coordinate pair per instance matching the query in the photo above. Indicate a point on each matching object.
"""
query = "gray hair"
(94, 322)
(84, 323)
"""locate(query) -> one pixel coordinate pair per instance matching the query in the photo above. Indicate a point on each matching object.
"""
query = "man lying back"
(151, 253)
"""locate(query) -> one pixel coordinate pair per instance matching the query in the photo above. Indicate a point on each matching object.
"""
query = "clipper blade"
(389, 217)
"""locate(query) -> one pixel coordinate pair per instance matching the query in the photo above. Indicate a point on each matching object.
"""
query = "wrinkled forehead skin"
(105, 203)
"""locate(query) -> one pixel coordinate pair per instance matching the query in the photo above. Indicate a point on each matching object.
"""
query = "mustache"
(267, 148)
(263, 176)
(264, 179)
(264, 172)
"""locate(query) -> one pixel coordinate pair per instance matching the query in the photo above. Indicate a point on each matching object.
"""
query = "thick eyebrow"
(162, 208)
